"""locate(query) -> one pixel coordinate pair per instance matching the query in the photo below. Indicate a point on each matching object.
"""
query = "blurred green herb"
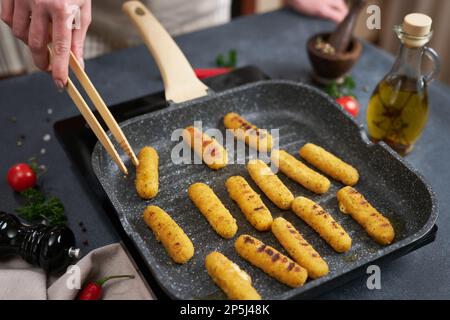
(336, 90)
(38, 206)
(228, 61)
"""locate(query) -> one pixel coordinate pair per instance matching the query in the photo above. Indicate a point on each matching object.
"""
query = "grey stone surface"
(275, 43)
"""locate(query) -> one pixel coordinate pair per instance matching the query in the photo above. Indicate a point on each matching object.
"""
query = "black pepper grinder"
(49, 247)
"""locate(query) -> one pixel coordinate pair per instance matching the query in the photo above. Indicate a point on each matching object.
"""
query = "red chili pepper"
(93, 290)
(212, 72)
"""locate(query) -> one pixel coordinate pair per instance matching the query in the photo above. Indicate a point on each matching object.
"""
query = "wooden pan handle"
(180, 81)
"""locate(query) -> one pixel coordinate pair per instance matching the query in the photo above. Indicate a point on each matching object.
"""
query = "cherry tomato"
(350, 104)
(21, 177)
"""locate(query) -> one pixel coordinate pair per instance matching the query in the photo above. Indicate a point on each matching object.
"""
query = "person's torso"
(177, 16)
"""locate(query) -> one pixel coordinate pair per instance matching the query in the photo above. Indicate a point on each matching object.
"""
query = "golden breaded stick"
(208, 149)
(249, 202)
(234, 281)
(329, 164)
(323, 223)
(212, 208)
(175, 241)
(271, 261)
(299, 172)
(376, 225)
(299, 249)
(245, 131)
(146, 182)
(270, 184)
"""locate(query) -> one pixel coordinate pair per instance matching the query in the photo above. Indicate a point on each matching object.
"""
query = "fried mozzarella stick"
(146, 182)
(245, 131)
(208, 149)
(270, 184)
(376, 225)
(322, 222)
(299, 172)
(329, 164)
(299, 249)
(271, 261)
(234, 281)
(249, 202)
(212, 208)
(175, 241)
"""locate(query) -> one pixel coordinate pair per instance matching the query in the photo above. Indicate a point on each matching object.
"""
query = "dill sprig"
(38, 206)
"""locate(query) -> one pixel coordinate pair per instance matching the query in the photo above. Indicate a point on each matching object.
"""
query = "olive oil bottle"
(398, 109)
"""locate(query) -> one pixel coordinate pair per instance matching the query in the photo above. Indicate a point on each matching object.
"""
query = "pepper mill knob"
(49, 247)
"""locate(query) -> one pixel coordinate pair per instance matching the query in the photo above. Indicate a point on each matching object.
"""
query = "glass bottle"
(398, 109)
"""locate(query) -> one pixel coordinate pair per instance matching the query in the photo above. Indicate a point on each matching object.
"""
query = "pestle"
(342, 36)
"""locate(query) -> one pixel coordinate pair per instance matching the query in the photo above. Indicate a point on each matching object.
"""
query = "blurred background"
(15, 58)
(392, 13)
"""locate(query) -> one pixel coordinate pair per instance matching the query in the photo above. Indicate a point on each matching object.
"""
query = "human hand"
(335, 10)
(30, 21)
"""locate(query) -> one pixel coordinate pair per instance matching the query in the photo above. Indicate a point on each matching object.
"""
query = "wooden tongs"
(106, 115)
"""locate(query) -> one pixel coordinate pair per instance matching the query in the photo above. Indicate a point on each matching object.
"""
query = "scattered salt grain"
(43, 151)
(47, 137)
(20, 140)
(50, 111)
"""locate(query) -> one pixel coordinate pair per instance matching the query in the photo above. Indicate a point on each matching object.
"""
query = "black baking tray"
(79, 141)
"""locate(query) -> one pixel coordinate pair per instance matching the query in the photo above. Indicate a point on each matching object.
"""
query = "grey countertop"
(275, 43)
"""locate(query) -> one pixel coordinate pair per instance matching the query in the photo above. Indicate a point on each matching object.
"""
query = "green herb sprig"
(38, 206)
(336, 90)
(227, 62)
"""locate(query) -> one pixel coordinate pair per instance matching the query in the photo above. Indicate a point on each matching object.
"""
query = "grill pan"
(302, 114)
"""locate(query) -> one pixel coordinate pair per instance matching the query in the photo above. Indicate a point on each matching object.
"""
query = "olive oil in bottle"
(398, 109)
(397, 113)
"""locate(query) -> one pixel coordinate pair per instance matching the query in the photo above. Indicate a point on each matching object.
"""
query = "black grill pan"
(303, 114)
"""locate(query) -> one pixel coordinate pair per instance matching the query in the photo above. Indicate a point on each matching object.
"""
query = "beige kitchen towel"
(22, 284)
(18, 280)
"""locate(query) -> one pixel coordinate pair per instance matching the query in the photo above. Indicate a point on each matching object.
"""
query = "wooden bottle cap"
(417, 24)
